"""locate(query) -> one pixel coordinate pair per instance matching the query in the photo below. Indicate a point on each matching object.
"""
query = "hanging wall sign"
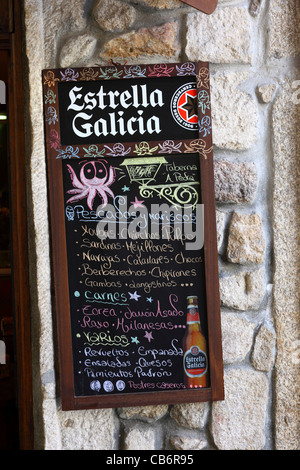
(132, 209)
(206, 6)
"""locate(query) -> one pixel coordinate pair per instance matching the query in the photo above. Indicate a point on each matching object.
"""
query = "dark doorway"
(8, 405)
(16, 414)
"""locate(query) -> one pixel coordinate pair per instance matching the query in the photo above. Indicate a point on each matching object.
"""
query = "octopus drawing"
(94, 178)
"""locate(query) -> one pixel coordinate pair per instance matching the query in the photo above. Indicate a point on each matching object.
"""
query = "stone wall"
(252, 47)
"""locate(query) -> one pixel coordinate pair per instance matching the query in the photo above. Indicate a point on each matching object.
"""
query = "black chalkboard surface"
(133, 234)
(128, 290)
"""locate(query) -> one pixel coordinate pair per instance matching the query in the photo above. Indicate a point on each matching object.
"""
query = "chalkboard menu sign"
(132, 212)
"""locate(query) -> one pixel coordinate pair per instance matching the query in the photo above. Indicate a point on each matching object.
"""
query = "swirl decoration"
(178, 195)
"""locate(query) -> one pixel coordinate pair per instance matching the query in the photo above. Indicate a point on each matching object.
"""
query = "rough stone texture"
(188, 443)
(265, 93)
(238, 423)
(254, 7)
(246, 242)
(285, 123)
(220, 219)
(237, 338)
(244, 290)
(145, 413)
(263, 354)
(235, 182)
(45, 411)
(223, 37)
(190, 415)
(50, 437)
(87, 429)
(72, 17)
(59, 20)
(139, 437)
(284, 25)
(234, 112)
(77, 50)
(162, 4)
(145, 44)
(112, 15)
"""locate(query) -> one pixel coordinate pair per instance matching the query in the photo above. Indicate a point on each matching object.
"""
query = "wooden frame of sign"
(140, 136)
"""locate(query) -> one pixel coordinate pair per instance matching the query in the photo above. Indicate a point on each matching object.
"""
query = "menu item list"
(127, 229)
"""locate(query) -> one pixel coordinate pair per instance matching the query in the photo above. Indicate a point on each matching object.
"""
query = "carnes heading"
(114, 120)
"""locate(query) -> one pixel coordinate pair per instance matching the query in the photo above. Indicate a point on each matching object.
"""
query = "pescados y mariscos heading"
(137, 96)
(163, 221)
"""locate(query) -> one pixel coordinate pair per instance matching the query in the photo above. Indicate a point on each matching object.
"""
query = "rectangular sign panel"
(101, 112)
(130, 171)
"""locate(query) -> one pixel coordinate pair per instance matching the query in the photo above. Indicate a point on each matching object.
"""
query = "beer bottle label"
(195, 362)
(193, 315)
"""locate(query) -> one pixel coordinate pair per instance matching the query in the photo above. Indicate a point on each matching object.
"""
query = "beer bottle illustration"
(194, 348)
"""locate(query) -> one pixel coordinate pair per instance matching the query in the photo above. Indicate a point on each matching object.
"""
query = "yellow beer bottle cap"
(192, 300)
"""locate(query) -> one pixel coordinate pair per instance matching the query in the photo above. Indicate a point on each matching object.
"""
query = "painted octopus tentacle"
(103, 195)
(91, 196)
(76, 198)
(74, 191)
(75, 180)
(109, 191)
(112, 175)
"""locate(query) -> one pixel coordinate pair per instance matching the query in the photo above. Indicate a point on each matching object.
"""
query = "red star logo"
(187, 106)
